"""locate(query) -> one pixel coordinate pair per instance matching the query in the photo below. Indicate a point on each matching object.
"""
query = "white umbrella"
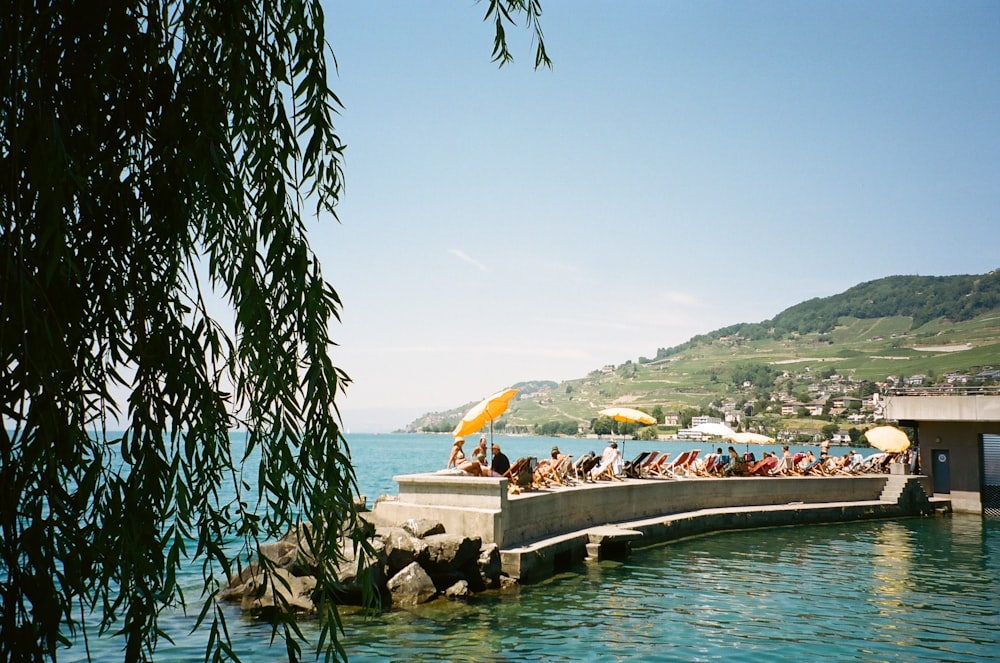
(756, 438)
(747, 437)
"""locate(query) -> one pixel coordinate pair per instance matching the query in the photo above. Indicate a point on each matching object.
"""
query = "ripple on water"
(888, 591)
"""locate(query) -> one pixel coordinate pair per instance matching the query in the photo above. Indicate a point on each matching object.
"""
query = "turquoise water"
(907, 590)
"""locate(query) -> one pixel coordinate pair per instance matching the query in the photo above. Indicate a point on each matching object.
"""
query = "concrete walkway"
(540, 559)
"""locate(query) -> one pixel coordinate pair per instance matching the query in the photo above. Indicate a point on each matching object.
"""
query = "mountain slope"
(892, 327)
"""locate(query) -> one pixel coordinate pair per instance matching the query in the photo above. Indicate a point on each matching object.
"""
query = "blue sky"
(684, 166)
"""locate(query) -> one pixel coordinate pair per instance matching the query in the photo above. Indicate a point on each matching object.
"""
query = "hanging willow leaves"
(153, 156)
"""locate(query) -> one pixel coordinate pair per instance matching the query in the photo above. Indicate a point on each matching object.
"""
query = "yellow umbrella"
(888, 439)
(486, 411)
(627, 414)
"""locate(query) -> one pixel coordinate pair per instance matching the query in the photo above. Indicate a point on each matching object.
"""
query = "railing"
(947, 390)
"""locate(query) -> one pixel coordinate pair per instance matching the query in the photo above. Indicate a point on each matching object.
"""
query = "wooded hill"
(876, 333)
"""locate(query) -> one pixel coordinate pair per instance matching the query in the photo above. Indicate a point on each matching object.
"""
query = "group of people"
(611, 463)
(478, 465)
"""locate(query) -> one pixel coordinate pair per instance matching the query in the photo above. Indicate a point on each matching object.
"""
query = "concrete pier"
(542, 531)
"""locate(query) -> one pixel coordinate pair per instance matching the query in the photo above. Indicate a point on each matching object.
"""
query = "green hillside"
(873, 335)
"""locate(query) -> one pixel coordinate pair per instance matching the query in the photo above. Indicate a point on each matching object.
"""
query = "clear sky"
(684, 166)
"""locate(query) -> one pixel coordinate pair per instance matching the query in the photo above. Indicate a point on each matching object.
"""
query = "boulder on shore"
(278, 592)
(412, 586)
(407, 564)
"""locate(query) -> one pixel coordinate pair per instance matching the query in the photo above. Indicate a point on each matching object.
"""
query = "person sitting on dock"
(479, 454)
(458, 461)
(611, 462)
(784, 465)
(500, 461)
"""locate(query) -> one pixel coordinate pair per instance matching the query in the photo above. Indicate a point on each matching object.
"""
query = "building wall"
(962, 440)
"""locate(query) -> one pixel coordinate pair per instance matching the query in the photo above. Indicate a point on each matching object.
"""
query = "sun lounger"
(658, 468)
(556, 472)
(678, 466)
(762, 467)
(781, 468)
(585, 463)
(708, 466)
(651, 460)
(601, 472)
(631, 468)
(520, 476)
(872, 463)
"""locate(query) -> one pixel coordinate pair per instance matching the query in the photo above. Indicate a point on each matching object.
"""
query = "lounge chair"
(820, 467)
(556, 472)
(677, 467)
(762, 467)
(631, 468)
(652, 459)
(601, 471)
(514, 469)
(585, 463)
(782, 467)
(707, 466)
(520, 476)
(872, 463)
(658, 468)
(687, 467)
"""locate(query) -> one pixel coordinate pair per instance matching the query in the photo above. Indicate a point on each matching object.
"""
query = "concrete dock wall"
(532, 516)
(480, 507)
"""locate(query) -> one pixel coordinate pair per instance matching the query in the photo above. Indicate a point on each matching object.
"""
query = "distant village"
(840, 408)
(833, 398)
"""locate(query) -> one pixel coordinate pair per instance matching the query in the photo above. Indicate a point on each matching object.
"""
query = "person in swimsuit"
(458, 461)
(479, 455)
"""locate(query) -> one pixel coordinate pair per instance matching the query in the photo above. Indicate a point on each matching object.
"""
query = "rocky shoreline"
(412, 563)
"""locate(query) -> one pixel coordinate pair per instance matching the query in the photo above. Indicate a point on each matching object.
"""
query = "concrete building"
(958, 432)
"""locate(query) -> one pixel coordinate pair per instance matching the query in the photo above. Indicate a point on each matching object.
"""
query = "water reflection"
(883, 591)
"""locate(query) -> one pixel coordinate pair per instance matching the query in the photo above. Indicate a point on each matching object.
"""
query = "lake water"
(908, 590)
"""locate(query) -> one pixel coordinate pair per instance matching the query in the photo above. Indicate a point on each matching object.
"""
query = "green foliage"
(153, 155)
(552, 428)
(647, 433)
(603, 425)
(657, 413)
(922, 298)
(759, 375)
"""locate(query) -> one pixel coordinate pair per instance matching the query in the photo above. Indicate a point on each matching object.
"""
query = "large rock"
(402, 548)
(283, 554)
(412, 586)
(448, 552)
(237, 584)
(451, 559)
(460, 590)
(489, 565)
(267, 595)
(422, 527)
(349, 571)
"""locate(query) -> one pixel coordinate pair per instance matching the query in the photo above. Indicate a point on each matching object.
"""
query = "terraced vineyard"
(707, 370)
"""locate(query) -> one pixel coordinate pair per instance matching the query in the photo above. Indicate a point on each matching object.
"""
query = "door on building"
(942, 471)
(990, 495)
